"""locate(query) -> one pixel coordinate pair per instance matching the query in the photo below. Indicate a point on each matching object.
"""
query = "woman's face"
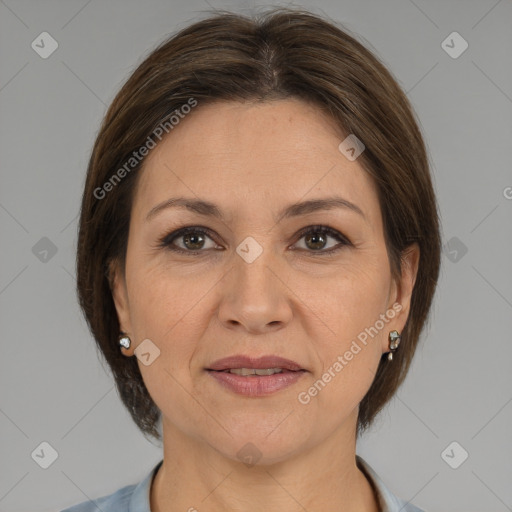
(253, 284)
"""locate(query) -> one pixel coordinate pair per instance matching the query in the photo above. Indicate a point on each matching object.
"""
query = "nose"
(255, 298)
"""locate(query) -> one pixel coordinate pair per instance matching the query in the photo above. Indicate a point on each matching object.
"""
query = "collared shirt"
(136, 497)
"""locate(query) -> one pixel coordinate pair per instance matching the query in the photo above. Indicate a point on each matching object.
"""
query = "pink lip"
(257, 385)
(241, 361)
(253, 385)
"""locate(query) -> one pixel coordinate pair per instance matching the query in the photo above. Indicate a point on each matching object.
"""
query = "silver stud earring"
(394, 341)
(124, 341)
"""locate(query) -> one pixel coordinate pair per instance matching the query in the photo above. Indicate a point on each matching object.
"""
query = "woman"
(258, 252)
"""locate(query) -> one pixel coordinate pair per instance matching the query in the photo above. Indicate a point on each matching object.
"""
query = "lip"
(242, 361)
(256, 385)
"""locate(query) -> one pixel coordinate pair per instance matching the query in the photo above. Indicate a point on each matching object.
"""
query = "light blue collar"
(140, 500)
(388, 502)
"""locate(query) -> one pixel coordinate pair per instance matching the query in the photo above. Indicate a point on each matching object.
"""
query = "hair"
(280, 54)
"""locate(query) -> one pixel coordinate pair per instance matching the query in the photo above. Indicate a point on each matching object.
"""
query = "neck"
(195, 477)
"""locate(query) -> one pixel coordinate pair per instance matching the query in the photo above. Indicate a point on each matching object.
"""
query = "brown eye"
(191, 238)
(316, 239)
(193, 241)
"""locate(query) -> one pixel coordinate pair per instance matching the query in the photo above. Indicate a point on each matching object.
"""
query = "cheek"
(163, 299)
(351, 351)
(348, 301)
(170, 309)
(165, 309)
(350, 330)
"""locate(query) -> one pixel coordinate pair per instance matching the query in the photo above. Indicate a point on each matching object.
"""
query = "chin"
(258, 453)
(260, 444)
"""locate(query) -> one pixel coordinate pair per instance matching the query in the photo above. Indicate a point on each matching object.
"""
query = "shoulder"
(388, 501)
(116, 502)
(132, 498)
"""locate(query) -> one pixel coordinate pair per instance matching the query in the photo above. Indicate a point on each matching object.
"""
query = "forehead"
(245, 155)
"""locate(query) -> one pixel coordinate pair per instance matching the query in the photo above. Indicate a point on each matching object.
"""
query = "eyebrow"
(209, 209)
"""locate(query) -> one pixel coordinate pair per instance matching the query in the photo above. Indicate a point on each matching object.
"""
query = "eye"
(193, 239)
(315, 239)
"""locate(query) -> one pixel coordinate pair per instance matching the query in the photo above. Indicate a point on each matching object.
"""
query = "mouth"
(247, 366)
(256, 372)
(256, 377)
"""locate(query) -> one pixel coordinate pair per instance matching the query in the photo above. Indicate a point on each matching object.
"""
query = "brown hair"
(283, 53)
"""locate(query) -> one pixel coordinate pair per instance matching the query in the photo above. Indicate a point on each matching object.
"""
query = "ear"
(402, 291)
(117, 283)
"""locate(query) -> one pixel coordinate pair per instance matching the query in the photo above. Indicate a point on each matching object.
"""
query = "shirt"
(136, 497)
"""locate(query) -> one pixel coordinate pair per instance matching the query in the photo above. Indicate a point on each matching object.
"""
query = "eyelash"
(166, 241)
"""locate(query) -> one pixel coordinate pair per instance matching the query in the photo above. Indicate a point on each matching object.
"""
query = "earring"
(124, 341)
(394, 341)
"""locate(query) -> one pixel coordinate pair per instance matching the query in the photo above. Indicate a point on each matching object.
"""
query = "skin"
(252, 160)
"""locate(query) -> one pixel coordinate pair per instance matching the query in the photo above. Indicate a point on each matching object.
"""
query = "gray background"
(54, 388)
